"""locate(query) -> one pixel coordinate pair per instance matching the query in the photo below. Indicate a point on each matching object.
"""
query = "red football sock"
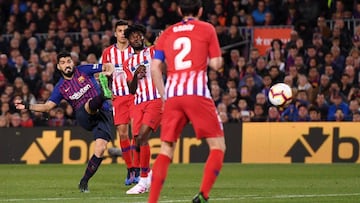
(211, 171)
(144, 160)
(159, 173)
(136, 154)
(126, 152)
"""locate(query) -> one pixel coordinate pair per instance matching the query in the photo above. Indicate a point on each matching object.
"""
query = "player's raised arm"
(19, 104)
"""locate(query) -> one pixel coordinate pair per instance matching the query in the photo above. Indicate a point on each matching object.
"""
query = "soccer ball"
(280, 94)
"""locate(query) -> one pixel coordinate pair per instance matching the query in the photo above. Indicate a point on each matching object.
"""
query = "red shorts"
(201, 111)
(148, 113)
(123, 106)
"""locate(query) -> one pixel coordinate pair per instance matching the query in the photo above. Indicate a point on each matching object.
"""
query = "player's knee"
(217, 143)
(142, 139)
(123, 136)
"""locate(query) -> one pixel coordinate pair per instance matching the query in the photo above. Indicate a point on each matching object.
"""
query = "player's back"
(188, 45)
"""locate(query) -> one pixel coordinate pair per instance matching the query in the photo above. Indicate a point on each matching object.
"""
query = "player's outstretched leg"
(105, 86)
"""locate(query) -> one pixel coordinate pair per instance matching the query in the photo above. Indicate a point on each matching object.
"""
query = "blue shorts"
(101, 123)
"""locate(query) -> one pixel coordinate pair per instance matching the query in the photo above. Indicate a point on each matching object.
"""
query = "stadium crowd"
(321, 64)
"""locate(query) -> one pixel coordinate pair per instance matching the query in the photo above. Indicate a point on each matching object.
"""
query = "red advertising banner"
(264, 36)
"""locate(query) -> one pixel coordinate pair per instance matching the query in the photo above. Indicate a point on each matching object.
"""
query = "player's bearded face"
(136, 41)
(66, 67)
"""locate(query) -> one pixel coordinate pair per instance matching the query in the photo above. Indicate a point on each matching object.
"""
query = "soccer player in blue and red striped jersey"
(188, 48)
(90, 101)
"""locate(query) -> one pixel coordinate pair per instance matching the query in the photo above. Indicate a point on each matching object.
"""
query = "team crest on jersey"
(81, 79)
(147, 53)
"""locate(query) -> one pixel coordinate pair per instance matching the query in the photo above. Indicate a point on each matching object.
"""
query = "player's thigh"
(122, 109)
(152, 114)
(137, 117)
(203, 116)
(173, 120)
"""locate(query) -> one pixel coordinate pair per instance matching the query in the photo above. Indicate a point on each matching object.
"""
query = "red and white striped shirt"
(146, 90)
(188, 46)
(187, 83)
(114, 55)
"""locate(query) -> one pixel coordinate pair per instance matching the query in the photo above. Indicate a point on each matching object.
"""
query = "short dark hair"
(314, 108)
(134, 28)
(63, 55)
(121, 22)
(190, 7)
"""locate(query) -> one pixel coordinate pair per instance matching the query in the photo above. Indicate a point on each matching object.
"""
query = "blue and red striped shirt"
(80, 88)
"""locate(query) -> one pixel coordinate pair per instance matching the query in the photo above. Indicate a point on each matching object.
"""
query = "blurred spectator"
(26, 120)
(4, 109)
(26, 95)
(15, 120)
(276, 44)
(314, 114)
(338, 104)
(356, 117)
(57, 117)
(354, 107)
(222, 111)
(259, 114)
(303, 114)
(4, 123)
(273, 114)
(260, 68)
(234, 115)
(245, 116)
(259, 13)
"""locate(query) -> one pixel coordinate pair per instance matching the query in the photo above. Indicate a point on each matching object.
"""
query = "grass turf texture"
(236, 183)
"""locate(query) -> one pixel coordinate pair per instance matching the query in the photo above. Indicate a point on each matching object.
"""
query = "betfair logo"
(308, 145)
(41, 148)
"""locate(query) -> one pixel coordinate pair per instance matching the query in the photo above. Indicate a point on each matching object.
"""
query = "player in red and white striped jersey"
(187, 47)
(146, 90)
(123, 101)
(147, 110)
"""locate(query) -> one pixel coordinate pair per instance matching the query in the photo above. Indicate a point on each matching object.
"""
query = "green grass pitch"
(237, 183)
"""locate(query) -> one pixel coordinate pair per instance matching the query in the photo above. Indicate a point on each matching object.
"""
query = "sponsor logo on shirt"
(80, 93)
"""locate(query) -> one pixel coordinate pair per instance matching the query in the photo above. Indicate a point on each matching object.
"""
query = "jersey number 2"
(184, 45)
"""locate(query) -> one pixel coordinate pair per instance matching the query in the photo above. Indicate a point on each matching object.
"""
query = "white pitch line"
(187, 200)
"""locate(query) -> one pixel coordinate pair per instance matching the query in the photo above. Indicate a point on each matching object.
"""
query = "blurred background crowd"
(321, 61)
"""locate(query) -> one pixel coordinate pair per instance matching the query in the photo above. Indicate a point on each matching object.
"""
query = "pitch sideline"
(186, 200)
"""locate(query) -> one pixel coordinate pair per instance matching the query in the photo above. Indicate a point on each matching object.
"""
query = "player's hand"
(19, 104)
(140, 72)
(108, 69)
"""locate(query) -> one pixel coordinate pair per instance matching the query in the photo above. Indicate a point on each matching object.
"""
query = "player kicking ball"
(90, 101)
